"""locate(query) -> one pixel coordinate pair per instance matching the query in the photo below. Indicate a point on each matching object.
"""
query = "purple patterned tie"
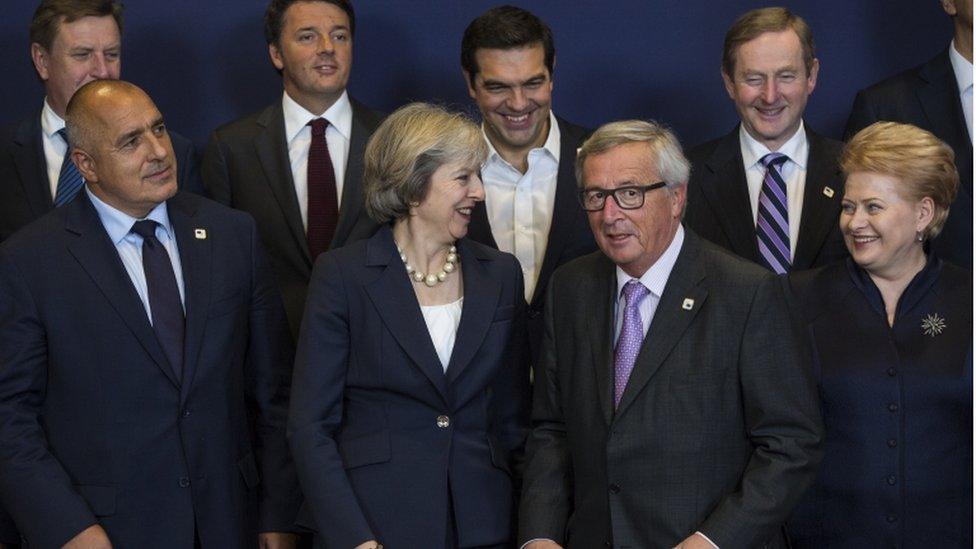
(631, 337)
(773, 219)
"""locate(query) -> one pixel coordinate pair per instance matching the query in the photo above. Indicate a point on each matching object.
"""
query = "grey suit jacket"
(246, 167)
(718, 430)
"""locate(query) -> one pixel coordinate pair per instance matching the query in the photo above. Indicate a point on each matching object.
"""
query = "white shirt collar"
(753, 150)
(297, 117)
(552, 144)
(656, 278)
(962, 68)
(118, 224)
(51, 123)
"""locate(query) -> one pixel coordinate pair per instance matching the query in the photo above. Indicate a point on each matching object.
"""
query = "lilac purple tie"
(630, 340)
(773, 220)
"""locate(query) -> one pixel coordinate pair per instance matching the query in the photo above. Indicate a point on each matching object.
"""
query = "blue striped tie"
(69, 180)
(773, 220)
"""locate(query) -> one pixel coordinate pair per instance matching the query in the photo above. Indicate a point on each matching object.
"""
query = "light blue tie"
(69, 180)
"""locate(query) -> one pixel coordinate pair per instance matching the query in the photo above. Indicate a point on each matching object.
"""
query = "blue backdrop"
(205, 61)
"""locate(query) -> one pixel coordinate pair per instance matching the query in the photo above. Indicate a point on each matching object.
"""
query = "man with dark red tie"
(296, 166)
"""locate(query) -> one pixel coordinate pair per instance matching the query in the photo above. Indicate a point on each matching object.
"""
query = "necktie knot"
(145, 228)
(63, 132)
(634, 293)
(318, 126)
(773, 160)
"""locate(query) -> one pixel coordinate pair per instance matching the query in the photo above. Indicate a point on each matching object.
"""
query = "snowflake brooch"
(933, 324)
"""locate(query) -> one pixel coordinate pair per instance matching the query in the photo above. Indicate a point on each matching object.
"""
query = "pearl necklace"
(431, 279)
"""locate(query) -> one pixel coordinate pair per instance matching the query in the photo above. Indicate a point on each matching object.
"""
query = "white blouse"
(442, 323)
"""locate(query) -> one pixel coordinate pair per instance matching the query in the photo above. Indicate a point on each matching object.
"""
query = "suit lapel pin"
(688, 304)
(200, 234)
(933, 324)
(828, 192)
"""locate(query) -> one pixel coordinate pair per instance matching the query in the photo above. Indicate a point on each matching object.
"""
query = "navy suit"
(25, 192)
(95, 426)
(387, 445)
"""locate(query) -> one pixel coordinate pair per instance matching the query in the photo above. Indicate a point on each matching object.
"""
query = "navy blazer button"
(186, 413)
(614, 489)
(891, 518)
(892, 442)
(892, 407)
(184, 482)
(443, 422)
(892, 372)
(892, 479)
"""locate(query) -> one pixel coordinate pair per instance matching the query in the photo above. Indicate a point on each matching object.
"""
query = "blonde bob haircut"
(923, 165)
(666, 156)
(406, 150)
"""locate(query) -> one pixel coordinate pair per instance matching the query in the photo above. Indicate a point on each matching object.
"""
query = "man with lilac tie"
(769, 191)
(671, 407)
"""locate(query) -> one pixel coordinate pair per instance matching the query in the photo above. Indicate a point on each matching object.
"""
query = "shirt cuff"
(712, 543)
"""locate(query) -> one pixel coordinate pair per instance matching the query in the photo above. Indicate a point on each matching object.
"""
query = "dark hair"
(274, 16)
(760, 21)
(51, 13)
(505, 28)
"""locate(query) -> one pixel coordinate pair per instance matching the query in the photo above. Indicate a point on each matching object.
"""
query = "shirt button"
(892, 442)
(892, 372)
(184, 482)
(892, 480)
(892, 407)
(443, 422)
(614, 489)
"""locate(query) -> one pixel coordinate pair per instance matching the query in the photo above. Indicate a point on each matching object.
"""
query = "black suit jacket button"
(614, 489)
(534, 313)
(892, 442)
(892, 479)
(891, 518)
(184, 482)
(892, 372)
(186, 413)
(892, 407)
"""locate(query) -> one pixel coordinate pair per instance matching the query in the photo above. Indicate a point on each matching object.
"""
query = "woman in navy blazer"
(410, 399)
(891, 335)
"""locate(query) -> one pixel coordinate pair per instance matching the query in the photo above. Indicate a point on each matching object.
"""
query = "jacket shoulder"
(572, 133)
(367, 116)
(246, 127)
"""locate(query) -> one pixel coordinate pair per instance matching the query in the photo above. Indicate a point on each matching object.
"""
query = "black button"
(608, 544)
(891, 518)
(534, 313)
(184, 482)
(892, 407)
(892, 479)
(614, 489)
(892, 372)
(892, 442)
(186, 413)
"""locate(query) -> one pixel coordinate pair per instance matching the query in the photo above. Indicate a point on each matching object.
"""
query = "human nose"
(100, 67)
(476, 189)
(156, 147)
(518, 101)
(326, 46)
(852, 219)
(770, 91)
(611, 209)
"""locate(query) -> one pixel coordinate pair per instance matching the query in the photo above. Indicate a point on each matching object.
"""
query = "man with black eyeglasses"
(671, 408)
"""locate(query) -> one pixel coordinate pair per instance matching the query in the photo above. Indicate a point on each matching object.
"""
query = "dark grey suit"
(719, 209)
(927, 96)
(246, 167)
(718, 429)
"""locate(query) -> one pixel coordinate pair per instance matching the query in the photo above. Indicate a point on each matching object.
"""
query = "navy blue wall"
(205, 61)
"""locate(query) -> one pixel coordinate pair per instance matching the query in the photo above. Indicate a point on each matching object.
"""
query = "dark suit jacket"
(25, 193)
(928, 97)
(96, 428)
(718, 429)
(719, 209)
(246, 167)
(385, 442)
(569, 231)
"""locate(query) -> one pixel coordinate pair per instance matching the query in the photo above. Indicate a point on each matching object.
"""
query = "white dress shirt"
(654, 279)
(298, 135)
(963, 70)
(118, 225)
(519, 206)
(442, 325)
(794, 172)
(55, 146)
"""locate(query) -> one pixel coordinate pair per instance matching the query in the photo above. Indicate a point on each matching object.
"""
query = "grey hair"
(667, 157)
(406, 150)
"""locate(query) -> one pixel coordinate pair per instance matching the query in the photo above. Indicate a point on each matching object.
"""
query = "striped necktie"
(773, 220)
(69, 180)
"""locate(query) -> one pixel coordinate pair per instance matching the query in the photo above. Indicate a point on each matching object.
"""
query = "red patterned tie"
(323, 203)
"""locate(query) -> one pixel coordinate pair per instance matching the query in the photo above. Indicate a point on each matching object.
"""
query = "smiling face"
(445, 212)
(128, 159)
(83, 50)
(770, 86)
(314, 54)
(633, 239)
(880, 226)
(513, 90)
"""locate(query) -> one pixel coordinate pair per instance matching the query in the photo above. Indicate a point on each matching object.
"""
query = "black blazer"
(718, 429)
(97, 429)
(388, 446)
(25, 192)
(928, 97)
(719, 209)
(569, 231)
(246, 167)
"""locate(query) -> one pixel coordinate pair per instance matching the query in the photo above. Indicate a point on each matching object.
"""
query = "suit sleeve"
(34, 487)
(546, 488)
(321, 364)
(782, 421)
(216, 179)
(861, 116)
(269, 363)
